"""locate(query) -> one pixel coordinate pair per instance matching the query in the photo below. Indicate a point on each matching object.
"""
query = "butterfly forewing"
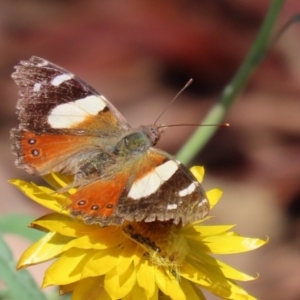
(53, 98)
(63, 121)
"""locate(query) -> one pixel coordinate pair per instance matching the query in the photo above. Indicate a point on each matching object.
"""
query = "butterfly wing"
(63, 120)
(154, 187)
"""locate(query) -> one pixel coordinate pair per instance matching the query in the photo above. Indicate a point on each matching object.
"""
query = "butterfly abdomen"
(94, 167)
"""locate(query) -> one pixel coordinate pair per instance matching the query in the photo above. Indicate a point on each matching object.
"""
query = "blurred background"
(139, 54)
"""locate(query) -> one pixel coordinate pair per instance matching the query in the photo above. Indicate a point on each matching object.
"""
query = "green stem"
(229, 94)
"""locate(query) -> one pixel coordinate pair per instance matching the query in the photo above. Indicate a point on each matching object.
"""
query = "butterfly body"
(68, 127)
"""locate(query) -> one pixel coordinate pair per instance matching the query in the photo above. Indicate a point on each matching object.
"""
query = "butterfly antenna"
(195, 125)
(186, 85)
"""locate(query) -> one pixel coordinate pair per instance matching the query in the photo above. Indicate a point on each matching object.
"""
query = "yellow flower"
(156, 260)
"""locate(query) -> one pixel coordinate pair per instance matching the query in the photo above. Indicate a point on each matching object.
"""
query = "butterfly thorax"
(137, 141)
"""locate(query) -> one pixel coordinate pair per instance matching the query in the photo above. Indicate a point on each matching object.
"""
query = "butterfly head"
(137, 141)
(152, 132)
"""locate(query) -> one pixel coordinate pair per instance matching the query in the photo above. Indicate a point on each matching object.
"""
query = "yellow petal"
(137, 293)
(168, 284)
(101, 238)
(214, 196)
(145, 278)
(68, 267)
(67, 288)
(213, 266)
(191, 273)
(213, 280)
(126, 257)
(91, 288)
(119, 286)
(42, 195)
(44, 249)
(198, 172)
(219, 244)
(138, 257)
(101, 262)
(230, 291)
(191, 291)
(233, 273)
(202, 231)
(58, 181)
(64, 225)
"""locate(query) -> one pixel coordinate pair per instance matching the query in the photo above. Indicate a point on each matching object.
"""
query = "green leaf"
(235, 86)
(18, 224)
(20, 285)
(56, 296)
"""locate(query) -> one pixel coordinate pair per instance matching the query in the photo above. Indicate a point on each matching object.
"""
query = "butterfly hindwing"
(155, 187)
(166, 191)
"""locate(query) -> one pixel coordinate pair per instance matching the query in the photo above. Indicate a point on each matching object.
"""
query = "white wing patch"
(150, 183)
(69, 114)
(190, 189)
(59, 79)
(37, 87)
(91, 104)
(172, 206)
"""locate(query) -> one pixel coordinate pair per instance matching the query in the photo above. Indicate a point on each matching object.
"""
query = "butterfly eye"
(126, 141)
(109, 206)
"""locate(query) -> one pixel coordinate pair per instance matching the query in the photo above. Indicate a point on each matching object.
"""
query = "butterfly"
(66, 126)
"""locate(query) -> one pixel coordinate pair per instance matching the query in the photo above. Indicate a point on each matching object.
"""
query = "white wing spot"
(69, 114)
(204, 202)
(151, 182)
(37, 87)
(172, 206)
(187, 191)
(59, 79)
(42, 64)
